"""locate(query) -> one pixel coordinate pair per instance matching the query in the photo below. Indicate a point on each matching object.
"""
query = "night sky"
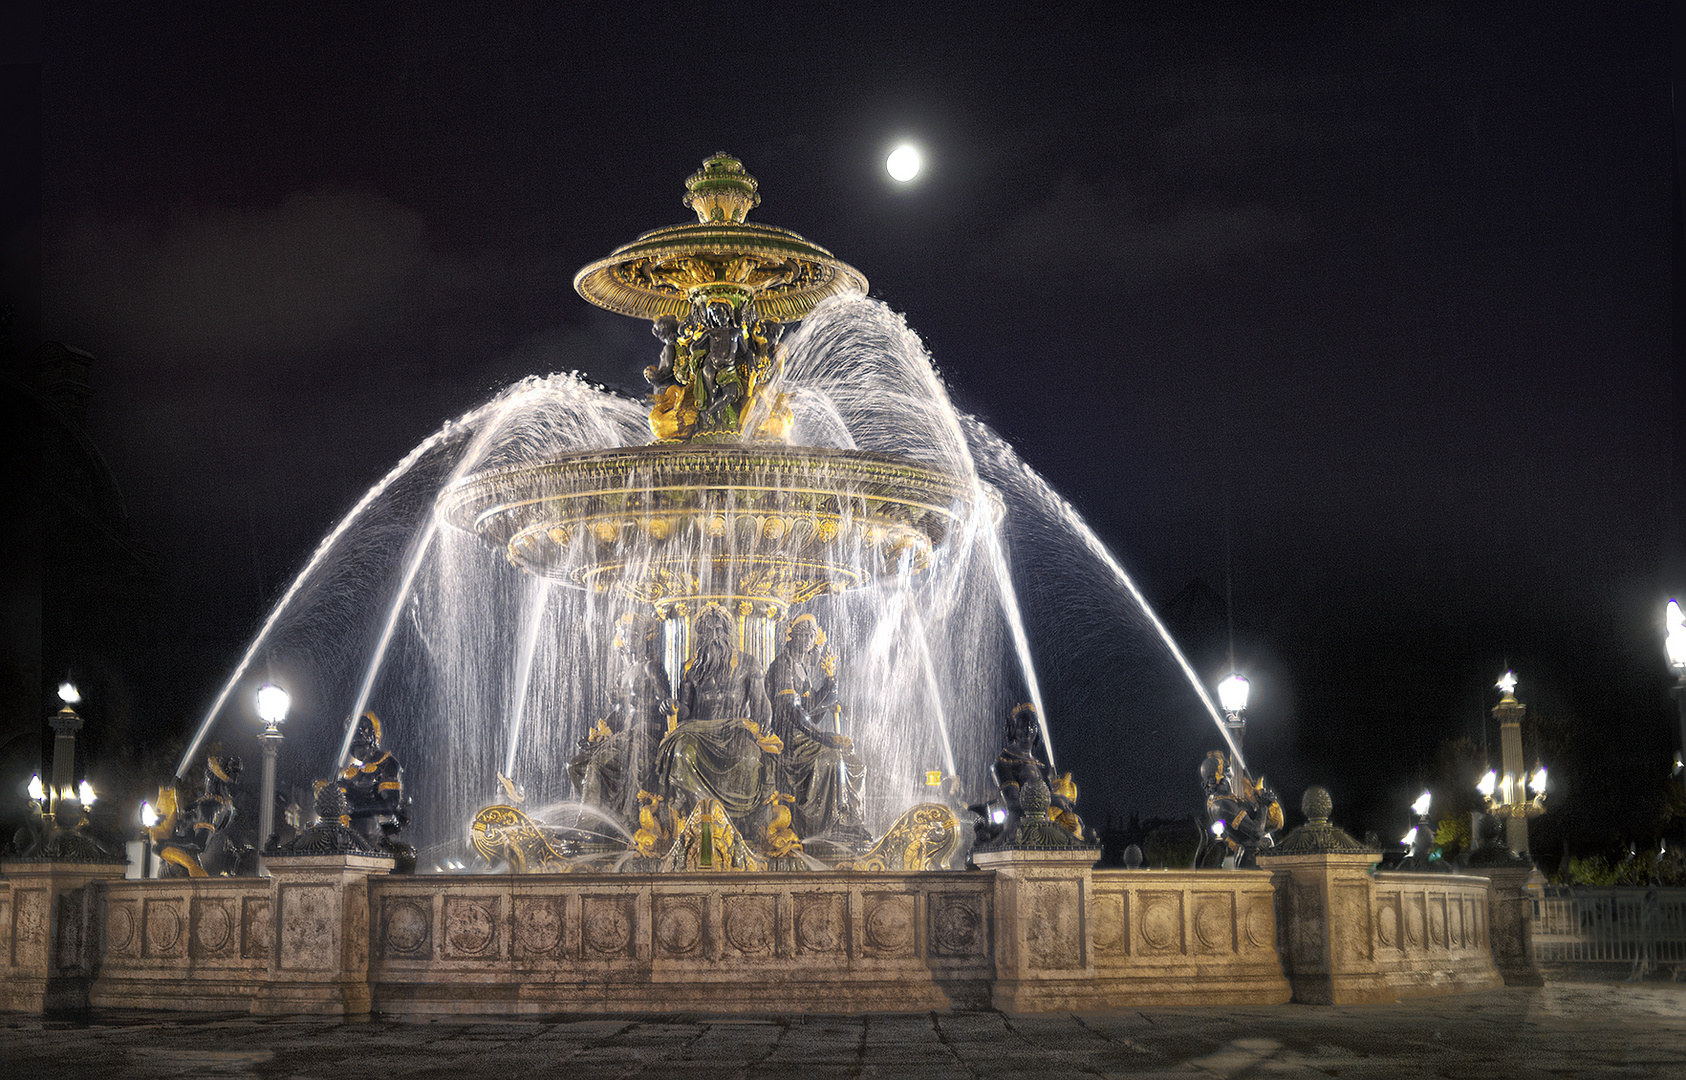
(1359, 317)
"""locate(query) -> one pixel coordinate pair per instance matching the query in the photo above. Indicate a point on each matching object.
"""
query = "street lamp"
(1676, 645)
(1232, 695)
(66, 723)
(273, 703)
(1511, 802)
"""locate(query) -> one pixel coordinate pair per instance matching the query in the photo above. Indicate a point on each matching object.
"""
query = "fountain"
(691, 697)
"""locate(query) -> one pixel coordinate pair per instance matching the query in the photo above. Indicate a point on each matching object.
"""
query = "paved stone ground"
(1565, 1029)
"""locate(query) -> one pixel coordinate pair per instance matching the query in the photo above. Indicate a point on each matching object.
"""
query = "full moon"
(903, 163)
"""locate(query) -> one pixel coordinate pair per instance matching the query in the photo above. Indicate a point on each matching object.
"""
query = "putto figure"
(721, 746)
(818, 767)
(617, 757)
(1241, 815)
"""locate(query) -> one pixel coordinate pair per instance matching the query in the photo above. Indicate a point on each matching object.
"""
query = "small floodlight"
(1676, 640)
(85, 793)
(149, 816)
(998, 815)
(1409, 838)
(933, 778)
(1232, 693)
(1487, 783)
(36, 791)
(1420, 807)
(68, 693)
(1218, 827)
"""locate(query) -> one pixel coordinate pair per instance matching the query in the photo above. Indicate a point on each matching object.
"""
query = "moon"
(903, 163)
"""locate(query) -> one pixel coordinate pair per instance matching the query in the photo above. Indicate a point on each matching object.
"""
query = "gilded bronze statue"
(721, 745)
(1241, 815)
(373, 783)
(818, 767)
(616, 761)
(193, 840)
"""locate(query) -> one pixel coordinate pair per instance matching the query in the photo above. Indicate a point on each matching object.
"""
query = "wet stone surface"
(1563, 1029)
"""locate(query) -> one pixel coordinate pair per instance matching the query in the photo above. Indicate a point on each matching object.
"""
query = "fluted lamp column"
(273, 703)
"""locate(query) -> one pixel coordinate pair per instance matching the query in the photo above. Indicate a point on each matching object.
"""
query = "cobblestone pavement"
(1564, 1029)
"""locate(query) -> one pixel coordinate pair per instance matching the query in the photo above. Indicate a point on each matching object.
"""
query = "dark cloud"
(1094, 241)
(292, 276)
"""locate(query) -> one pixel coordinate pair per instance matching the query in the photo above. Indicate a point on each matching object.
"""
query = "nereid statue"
(818, 767)
(616, 762)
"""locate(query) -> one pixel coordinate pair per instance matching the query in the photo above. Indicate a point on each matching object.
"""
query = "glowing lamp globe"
(1420, 807)
(903, 163)
(1218, 827)
(68, 693)
(149, 816)
(1488, 783)
(273, 703)
(1538, 780)
(1409, 838)
(1232, 693)
(36, 791)
(1676, 640)
(85, 794)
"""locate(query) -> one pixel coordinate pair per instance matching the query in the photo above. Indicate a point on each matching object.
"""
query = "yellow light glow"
(1538, 780)
(1507, 682)
(933, 778)
(149, 816)
(86, 793)
(1487, 783)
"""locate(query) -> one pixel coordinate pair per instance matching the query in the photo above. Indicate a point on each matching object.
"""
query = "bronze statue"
(374, 785)
(1241, 815)
(818, 767)
(720, 745)
(194, 840)
(617, 757)
(666, 330)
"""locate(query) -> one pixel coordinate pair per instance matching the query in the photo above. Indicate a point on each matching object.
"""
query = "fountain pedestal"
(321, 925)
(53, 912)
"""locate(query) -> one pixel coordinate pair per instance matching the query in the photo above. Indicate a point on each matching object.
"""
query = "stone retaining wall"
(1028, 932)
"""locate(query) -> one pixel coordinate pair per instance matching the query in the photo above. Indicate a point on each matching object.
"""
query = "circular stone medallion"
(679, 928)
(406, 927)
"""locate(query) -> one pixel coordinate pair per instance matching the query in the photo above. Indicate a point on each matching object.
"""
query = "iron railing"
(1644, 927)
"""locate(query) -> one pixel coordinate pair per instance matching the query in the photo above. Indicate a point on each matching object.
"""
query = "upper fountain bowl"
(677, 269)
(760, 523)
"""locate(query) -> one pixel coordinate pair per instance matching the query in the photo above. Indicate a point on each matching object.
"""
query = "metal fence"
(1643, 927)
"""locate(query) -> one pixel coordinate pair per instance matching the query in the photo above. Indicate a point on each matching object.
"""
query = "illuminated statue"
(818, 767)
(373, 784)
(194, 840)
(617, 757)
(721, 747)
(1241, 815)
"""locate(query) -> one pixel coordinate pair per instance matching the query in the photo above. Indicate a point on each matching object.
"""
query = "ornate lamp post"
(1232, 695)
(273, 703)
(1676, 644)
(1507, 795)
(66, 723)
